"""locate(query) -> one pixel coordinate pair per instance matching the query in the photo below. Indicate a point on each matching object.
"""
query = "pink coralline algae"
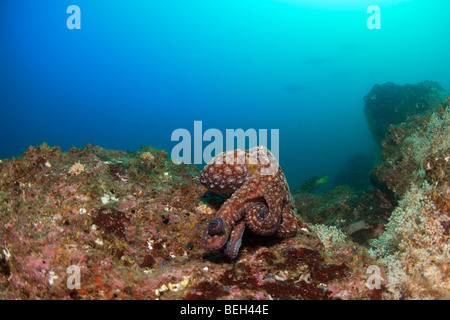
(261, 199)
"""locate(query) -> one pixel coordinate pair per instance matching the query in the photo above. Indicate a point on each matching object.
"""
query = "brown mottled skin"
(260, 199)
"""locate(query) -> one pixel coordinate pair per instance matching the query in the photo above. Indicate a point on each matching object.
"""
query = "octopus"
(260, 199)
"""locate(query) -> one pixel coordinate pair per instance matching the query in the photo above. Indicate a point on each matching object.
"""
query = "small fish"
(313, 183)
(322, 180)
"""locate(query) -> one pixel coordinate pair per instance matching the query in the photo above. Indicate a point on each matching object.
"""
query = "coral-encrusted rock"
(390, 104)
(111, 221)
(415, 171)
(437, 168)
(406, 149)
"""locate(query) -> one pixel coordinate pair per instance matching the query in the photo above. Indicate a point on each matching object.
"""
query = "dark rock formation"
(390, 104)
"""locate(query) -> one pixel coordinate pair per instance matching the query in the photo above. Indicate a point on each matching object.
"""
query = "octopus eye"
(216, 226)
(262, 213)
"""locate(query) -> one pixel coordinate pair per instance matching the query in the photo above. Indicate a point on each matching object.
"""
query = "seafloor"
(132, 222)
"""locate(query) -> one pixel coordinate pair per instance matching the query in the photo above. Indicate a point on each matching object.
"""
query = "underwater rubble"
(132, 223)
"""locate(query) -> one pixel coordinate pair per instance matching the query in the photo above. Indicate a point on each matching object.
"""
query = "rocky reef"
(406, 149)
(131, 225)
(391, 104)
(415, 172)
(404, 218)
(132, 222)
(361, 215)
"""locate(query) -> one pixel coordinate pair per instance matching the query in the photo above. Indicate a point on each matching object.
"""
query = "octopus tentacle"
(216, 226)
(231, 211)
(288, 226)
(215, 242)
(260, 220)
(234, 243)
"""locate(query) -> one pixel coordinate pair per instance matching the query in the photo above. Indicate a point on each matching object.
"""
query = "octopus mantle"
(260, 199)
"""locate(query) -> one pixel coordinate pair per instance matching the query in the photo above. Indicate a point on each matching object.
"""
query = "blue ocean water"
(138, 70)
